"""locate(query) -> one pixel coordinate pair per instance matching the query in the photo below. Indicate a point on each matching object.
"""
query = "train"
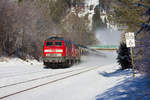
(61, 53)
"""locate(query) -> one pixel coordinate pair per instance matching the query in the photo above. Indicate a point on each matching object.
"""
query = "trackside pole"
(130, 42)
(132, 62)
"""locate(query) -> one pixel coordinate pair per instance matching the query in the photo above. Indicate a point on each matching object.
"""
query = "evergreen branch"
(141, 5)
(148, 21)
(144, 26)
(140, 30)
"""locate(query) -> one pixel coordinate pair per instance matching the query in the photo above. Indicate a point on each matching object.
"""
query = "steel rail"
(22, 74)
(34, 79)
(50, 82)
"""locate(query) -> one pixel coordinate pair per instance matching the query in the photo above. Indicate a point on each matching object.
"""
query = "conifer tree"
(124, 58)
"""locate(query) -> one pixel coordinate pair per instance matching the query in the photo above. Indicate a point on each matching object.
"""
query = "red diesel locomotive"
(58, 51)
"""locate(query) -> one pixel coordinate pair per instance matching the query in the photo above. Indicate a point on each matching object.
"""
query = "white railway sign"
(130, 39)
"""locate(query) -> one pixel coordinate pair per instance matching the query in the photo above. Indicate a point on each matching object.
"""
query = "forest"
(25, 24)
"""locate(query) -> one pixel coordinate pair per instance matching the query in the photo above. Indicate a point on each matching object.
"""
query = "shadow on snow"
(129, 89)
(116, 73)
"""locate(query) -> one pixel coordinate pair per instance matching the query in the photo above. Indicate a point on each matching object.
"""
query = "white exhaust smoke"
(108, 37)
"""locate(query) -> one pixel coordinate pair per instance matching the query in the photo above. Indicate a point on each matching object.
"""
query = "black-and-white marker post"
(130, 42)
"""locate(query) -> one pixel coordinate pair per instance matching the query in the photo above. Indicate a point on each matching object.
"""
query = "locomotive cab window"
(49, 43)
(58, 43)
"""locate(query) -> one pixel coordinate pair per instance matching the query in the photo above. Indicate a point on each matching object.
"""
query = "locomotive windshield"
(58, 43)
(49, 43)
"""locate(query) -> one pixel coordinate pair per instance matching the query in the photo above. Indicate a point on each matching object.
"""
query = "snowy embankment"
(14, 66)
(128, 89)
(105, 83)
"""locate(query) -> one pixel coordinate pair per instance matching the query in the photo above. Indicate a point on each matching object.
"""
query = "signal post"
(130, 42)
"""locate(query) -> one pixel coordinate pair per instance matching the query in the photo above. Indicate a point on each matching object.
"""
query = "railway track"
(43, 77)
(21, 74)
(39, 82)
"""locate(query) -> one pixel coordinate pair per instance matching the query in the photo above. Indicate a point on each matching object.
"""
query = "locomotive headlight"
(48, 55)
(59, 50)
(59, 55)
(48, 50)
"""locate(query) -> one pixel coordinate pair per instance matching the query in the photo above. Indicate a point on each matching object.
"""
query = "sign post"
(130, 42)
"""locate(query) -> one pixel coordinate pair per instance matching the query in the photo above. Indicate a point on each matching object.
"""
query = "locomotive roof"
(55, 38)
(62, 38)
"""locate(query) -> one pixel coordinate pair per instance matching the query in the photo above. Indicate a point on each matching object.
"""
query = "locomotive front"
(53, 51)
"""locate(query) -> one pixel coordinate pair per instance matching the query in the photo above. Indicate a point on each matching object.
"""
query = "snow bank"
(129, 89)
(4, 61)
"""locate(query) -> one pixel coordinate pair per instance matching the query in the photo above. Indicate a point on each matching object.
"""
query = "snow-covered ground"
(105, 83)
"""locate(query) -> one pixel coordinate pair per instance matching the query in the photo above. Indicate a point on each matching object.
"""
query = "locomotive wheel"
(45, 63)
(77, 62)
(67, 63)
(50, 65)
(74, 61)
